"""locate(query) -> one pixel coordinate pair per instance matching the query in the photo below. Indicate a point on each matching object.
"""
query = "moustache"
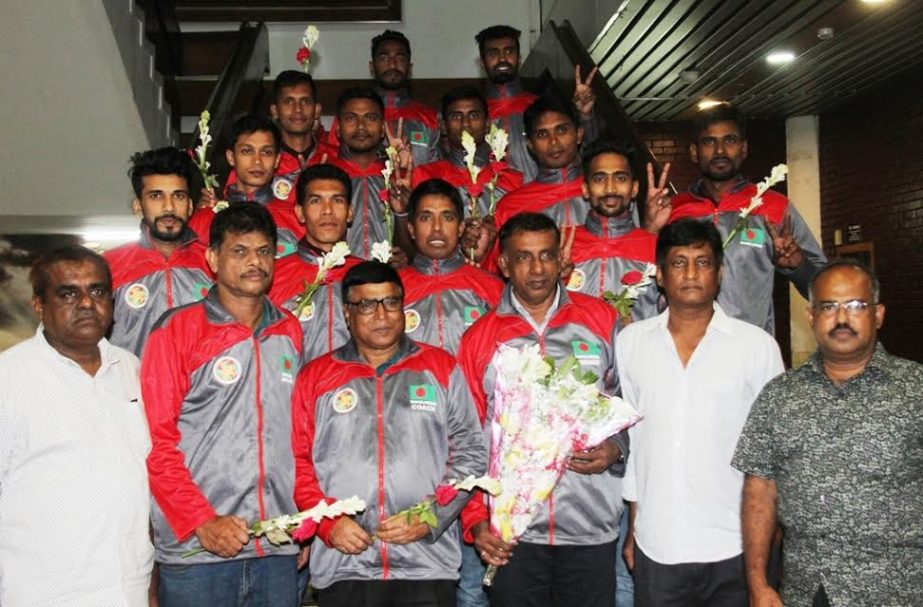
(840, 327)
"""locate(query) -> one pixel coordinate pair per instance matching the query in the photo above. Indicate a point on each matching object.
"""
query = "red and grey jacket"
(368, 226)
(390, 435)
(583, 509)
(454, 171)
(291, 163)
(605, 250)
(322, 322)
(747, 281)
(442, 298)
(145, 285)
(558, 193)
(218, 403)
(505, 106)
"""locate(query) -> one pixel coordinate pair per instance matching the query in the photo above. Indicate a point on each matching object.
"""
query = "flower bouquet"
(777, 174)
(634, 283)
(541, 414)
(304, 54)
(336, 257)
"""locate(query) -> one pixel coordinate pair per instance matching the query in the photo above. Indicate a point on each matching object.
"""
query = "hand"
(584, 97)
(224, 535)
(348, 537)
(479, 235)
(567, 245)
(399, 258)
(304, 555)
(398, 195)
(207, 199)
(492, 549)
(765, 596)
(595, 460)
(395, 138)
(786, 252)
(397, 530)
(628, 551)
(659, 205)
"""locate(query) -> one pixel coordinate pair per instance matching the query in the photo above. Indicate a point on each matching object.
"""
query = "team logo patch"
(284, 249)
(307, 313)
(422, 397)
(585, 351)
(419, 138)
(577, 280)
(136, 295)
(281, 188)
(411, 320)
(287, 363)
(200, 291)
(472, 314)
(345, 400)
(226, 370)
(752, 237)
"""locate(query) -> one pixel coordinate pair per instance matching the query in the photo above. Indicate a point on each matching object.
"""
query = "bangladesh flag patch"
(423, 397)
(584, 350)
(200, 290)
(752, 237)
(419, 138)
(472, 314)
(287, 363)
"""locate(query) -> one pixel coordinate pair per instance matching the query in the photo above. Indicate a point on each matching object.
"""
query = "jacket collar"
(608, 227)
(558, 176)
(430, 267)
(697, 188)
(350, 353)
(877, 367)
(391, 97)
(218, 314)
(263, 195)
(510, 89)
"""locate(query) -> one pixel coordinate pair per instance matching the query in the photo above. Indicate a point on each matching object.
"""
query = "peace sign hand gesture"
(584, 97)
(786, 252)
(659, 205)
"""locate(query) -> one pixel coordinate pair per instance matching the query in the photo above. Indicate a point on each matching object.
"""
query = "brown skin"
(295, 111)
(254, 158)
(325, 213)
(164, 206)
(555, 140)
(360, 126)
(719, 151)
(659, 204)
(532, 263)
(76, 311)
(465, 115)
(758, 522)
(391, 67)
(501, 60)
(436, 227)
(609, 186)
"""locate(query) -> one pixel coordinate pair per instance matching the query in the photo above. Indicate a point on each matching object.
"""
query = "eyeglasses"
(368, 306)
(853, 307)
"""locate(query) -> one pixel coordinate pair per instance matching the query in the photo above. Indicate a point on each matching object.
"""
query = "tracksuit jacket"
(390, 435)
(454, 171)
(746, 286)
(558, 193)
(291, 163)
(369, 193)
(442, 298)
(218, 402)
(607, 248)
(583, 509)
(145, 285)
(322, 322)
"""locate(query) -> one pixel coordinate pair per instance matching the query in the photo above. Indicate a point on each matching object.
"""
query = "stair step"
(206, 53)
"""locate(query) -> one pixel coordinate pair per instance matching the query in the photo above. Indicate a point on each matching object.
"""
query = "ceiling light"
(874, 1)
(780, 57)
(707, 103)
(690, 75)
(825, 33)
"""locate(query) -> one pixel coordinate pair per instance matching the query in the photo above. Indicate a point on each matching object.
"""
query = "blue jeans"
(624, 584)
(256, 582)
(470, 592)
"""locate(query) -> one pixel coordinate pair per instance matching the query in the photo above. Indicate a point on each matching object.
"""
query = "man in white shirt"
(693, 372)
(74, 499)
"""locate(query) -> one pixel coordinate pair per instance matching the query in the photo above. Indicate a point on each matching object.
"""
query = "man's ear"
(299, 214)
(136, 208)
(38, 307)
(372, 69)
(693, 153)
(634, 188)
(229, 156)
(659, 277)
(579, 135)
(879, 316)
(744, 150)
(584, 189)
(273, 111)
(211, 256)
(504, 264)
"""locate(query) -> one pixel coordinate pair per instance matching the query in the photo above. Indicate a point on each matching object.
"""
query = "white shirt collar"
(719, 321)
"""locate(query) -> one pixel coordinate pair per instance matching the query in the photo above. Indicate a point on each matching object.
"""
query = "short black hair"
(493, 33)
(162, 161)
(847, 263)
(251, 123)
(290, 78)
(723, 112)
(685, 233)
(359, 92)
(548, 103)
(436, 187)
(322, 171)
(527, 222)
(460, 93)
(607, 146)
(369, 272)
(40, 273)
(242, 218)
(388, 35)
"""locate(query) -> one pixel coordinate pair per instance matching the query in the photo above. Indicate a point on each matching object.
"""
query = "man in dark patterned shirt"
(833, 451)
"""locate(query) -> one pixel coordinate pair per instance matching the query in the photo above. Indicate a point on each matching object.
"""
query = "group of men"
(277, 371)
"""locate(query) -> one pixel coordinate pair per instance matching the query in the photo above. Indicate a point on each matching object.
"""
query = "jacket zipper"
(259, 440)
(380, 410)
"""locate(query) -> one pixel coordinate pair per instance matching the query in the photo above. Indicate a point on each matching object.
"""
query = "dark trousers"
(270, 581)
(719, 584)
(539, 575)
(391, 593)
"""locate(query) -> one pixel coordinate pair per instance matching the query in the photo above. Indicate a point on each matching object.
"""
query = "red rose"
(445, 494)
(632, 278)
(305, 531)
(304, 54)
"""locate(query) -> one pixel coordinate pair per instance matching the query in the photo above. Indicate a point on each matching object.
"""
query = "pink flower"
(304, 55)
(306, 531)
(445, 494)
(632, 278)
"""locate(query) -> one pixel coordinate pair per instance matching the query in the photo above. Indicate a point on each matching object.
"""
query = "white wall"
(68, 122)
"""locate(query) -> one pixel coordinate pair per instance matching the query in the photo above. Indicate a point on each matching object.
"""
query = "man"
(498, 46)
(74, 500)
(217, 380)
(392, 68)
(295, 110)
(567, 555)
(464, 110)
(166, 267)
(443, 295)
(609, 246)
(832, 451)
(324, 194)
(775, 237)
(389, 420)
(360, 129)
(253, 153)
(693, 373)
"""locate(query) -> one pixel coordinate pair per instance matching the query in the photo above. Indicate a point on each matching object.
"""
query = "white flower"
(336, 257)
(310, 36)
(387, 171)
(776, 175)
(497, 139)
(220, 206)
(381, 251)
(470, 148)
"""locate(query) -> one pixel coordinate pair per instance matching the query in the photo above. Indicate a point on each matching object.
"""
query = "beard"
(165, 235)
(715, 174)
(498, 77)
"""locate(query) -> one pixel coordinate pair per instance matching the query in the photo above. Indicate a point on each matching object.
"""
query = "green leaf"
(429, 517)
(277, 537)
